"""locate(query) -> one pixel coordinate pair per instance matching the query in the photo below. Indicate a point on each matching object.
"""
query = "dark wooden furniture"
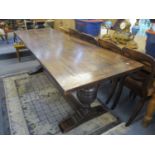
(19, 46)
(141, 82)
(150, 110)
(83, 36)
(89, 38)
(64, 30)
(74, 33)
(110, 45)
(76, 66)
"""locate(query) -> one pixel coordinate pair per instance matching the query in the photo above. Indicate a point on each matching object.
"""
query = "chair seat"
(19, 46)
(139, 76)
(141, 82)
(135, 83)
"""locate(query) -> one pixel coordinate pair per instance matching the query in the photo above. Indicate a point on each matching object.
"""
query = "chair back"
(89, 38)
(64, 30)
(83, 36)
(110, 46)
(148, 62)
(74, 33)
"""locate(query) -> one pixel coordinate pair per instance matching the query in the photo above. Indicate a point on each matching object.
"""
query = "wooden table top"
(74, 63)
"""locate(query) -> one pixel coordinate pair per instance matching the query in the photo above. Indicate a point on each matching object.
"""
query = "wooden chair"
(75, 33)
(19, 46)
(150, 110)
(110, 45)
(89, 38)
(83, 36)
(140, 82)
(64, 30)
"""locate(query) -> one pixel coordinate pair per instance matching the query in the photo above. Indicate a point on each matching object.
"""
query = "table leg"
(149, 112)
(84, 112)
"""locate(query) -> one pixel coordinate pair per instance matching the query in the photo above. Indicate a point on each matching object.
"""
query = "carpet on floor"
(36, 107)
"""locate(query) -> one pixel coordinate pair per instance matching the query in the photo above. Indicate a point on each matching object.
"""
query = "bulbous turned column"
(87, 96)
(85, 112)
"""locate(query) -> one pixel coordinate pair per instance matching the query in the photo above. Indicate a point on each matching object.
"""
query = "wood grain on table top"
(74, 63)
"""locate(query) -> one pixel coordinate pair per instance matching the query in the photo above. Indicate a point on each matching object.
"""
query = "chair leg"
(137, 109)
(118, 94)
(114, 85)
(17, 53)
(149, 112)
(134, 96)
(130, 94)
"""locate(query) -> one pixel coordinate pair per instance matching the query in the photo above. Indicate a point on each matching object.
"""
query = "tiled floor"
(35, 106)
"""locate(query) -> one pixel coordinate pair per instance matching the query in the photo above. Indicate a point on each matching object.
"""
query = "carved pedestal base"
(84, 112)
(79, 118)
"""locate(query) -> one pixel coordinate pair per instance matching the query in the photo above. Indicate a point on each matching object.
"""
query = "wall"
(65, 23)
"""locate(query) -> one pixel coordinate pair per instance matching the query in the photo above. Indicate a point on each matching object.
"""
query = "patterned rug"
(36, 107)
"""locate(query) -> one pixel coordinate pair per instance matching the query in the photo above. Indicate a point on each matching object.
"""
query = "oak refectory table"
(76, 66)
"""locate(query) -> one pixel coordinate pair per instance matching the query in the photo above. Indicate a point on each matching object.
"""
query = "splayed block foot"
(80, 117)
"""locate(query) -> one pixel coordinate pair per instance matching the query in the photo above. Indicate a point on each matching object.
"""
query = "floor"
(124, 109)
(9, 64)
